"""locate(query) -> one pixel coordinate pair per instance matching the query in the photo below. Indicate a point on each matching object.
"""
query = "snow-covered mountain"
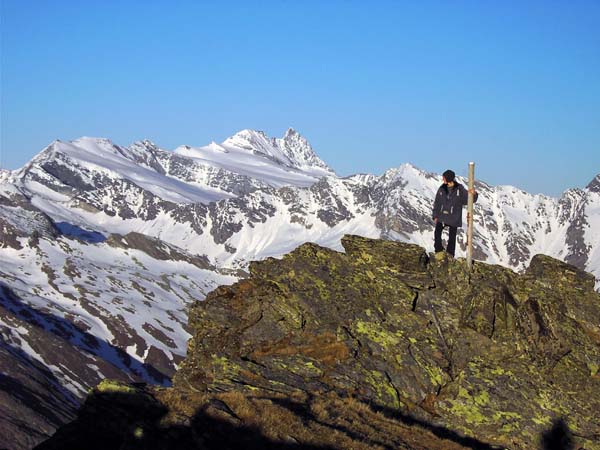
(104, 247)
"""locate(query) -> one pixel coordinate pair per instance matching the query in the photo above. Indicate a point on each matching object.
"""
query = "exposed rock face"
(487, 359)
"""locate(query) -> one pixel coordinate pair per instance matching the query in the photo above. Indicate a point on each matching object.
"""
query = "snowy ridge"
(95, 158)
(4, 174)
(277, 162)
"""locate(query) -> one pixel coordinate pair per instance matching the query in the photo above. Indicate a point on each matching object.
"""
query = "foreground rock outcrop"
(378, 347)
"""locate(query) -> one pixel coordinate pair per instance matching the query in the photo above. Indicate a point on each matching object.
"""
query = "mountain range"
(104, 248)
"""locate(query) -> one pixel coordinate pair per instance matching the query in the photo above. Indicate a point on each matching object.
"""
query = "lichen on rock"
(513, 351)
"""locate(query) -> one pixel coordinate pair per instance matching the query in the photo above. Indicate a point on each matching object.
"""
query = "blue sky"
(514, 86)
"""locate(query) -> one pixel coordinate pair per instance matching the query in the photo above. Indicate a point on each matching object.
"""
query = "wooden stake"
(470, 217)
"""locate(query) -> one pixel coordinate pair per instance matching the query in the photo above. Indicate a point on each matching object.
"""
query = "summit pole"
(470, 217)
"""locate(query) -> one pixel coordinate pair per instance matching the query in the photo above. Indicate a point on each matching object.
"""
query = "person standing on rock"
(447, 210)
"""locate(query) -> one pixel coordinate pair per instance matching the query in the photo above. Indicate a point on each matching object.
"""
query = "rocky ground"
(382, 346)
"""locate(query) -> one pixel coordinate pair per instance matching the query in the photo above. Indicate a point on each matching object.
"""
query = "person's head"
(448, 176)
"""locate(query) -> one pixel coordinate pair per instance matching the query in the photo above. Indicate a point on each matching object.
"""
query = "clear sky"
(514, 86)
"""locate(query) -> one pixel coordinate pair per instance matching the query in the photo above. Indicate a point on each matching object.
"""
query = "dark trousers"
(439, 226)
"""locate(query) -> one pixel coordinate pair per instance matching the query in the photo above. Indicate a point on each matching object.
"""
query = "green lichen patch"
(113, 386)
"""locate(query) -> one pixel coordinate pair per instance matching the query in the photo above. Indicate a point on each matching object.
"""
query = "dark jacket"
(448, 204)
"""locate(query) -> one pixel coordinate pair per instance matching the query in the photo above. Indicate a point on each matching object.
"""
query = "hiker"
(447, 210)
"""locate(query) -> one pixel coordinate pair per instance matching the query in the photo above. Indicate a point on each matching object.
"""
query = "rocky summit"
(379, 346)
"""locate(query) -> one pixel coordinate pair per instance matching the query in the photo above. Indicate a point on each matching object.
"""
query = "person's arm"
(436, 206)
(464, 195)
(475, 195)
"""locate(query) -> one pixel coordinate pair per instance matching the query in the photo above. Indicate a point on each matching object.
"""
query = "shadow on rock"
(33, 403)
(75, 231)
(439, 431)
(124, 416)
(135, 420)
(64, 330)
(558, 437)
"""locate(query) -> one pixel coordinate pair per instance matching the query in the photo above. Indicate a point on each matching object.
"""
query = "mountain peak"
(291, 150)
(253, 141)
(402, 171)
(594, 185)
(297, 148)
(90, 140)
(290, 132)
(144, 144)
(82, 145)
(246, 136)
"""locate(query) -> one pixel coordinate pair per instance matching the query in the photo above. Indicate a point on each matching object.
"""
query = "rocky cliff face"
(382, 346)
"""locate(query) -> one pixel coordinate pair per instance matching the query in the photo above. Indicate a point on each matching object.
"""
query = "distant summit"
(298, 150)
(292, 150)
(594, 185)
(276, 162)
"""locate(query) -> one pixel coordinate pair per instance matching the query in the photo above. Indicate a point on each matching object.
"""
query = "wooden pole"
(470, 217)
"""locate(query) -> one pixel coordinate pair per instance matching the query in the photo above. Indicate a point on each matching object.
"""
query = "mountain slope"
(77, 307)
